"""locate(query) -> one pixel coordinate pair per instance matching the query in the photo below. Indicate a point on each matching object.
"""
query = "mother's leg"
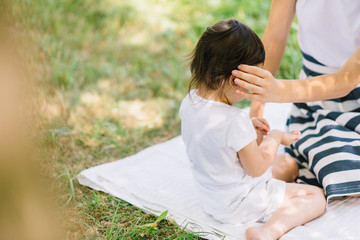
(331, 150)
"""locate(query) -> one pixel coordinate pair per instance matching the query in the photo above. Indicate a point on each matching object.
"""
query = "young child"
(231, 161)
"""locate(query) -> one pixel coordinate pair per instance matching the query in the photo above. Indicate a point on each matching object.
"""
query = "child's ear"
(231, 81)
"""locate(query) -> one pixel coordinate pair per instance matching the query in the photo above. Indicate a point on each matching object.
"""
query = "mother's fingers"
(248, 77)
(248, 86)
(254, 70)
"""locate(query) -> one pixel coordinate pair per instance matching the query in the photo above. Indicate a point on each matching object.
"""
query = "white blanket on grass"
(159, 178)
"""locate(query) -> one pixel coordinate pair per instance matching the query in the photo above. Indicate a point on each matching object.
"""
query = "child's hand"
(261, 125)
(290, 138)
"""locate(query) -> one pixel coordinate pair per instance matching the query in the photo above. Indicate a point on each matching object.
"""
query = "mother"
(326, 97)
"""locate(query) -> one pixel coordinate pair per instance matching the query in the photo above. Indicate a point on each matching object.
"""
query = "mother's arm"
(274, 39)
(266, 88)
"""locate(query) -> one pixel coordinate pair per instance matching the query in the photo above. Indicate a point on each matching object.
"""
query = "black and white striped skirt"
(328, 152)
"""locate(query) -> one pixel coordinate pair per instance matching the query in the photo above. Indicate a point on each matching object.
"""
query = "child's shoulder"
(239, 114)
(194, 102)
(229, 115)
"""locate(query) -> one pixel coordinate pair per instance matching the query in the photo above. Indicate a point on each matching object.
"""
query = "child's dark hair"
(221, 48)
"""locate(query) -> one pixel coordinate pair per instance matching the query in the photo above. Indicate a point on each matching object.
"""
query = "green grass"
(116, 72)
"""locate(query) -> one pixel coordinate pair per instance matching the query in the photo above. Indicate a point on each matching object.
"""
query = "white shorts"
(258, 205)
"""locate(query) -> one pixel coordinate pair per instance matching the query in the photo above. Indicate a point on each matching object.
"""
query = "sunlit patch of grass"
(117, 71)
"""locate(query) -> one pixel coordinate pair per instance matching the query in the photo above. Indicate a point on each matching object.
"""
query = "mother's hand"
(258, 84)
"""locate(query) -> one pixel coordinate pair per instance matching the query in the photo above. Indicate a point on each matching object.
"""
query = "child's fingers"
(262, 124)
(265, 123)
(265, 128)
(262, 130)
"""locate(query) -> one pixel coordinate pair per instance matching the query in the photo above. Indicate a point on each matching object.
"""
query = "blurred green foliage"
(146, 41)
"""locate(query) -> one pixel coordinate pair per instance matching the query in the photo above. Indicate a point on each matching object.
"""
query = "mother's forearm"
(323, 87)
(318, 88)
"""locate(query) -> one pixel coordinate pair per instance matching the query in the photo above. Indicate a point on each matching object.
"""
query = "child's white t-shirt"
(213, 133)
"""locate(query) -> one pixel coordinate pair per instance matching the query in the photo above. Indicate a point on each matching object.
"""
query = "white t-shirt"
(329, 30)
(213, 133)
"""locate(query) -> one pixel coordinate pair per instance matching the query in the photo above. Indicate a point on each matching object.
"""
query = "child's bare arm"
(256, 159)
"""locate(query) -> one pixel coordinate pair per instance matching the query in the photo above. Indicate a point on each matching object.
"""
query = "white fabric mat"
(159, 178)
